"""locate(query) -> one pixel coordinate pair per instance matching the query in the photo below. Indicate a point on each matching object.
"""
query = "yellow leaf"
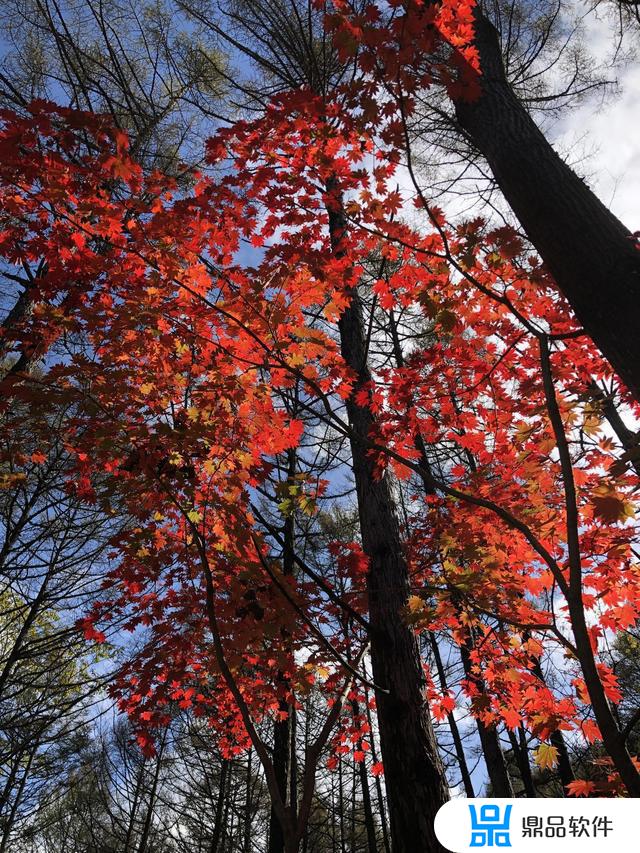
(210, 466)
(524, 431)
(9, 481)
(546, 445)
(415, 604)
(546, 756)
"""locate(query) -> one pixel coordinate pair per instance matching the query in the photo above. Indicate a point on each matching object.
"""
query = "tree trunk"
(281, 757)
(352, 822)
(453, 725)
(246, 845)
(589, 252)
(629, 439)
(612, 738)
(133, 814)
(493, 756)
(565, 770)
(370, 827)
(415, 778)
(23, 633)
(144, 840)
(341, 808)
(521, 756)
(382, 811)
(219, 816)
(283, 731)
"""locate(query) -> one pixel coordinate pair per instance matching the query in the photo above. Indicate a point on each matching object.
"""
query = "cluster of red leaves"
(410, 44)
(491, 554)
(172, 399)
(176, 415)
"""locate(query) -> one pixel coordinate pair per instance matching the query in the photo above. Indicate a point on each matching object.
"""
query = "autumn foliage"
(174, 356)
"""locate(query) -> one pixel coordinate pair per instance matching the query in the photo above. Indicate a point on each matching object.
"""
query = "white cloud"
(604, 139)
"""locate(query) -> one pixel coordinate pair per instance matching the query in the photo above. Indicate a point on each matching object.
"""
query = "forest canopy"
(317, 495)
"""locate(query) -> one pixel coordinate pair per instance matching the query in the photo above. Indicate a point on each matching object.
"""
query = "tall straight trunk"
(453, 725)
(525, 766)
(133, 814)
(521, 755)
(352, 820)
(307, 741)
(293, 762)
(281, 758)
(341, 810)
(614, 740)
(489, 740)
(565, 769)
(334, 818)
(146, 829)
(369, 823)
(381, 800)
(226, 834)
(493, 756)
(219, 815)
(415, 778)
(589, 252)
(232, 822)
(246, 842)
(283, 730)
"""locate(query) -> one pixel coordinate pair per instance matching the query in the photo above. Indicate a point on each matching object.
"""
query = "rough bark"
(414, 775)
(590, 253)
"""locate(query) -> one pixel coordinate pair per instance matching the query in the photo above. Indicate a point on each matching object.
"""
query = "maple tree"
(519, 534)
(161, 469)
